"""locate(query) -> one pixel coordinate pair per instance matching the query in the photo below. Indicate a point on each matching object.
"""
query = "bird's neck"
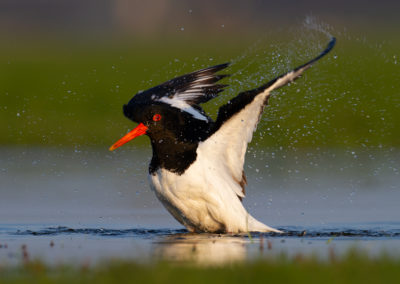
(172, 155)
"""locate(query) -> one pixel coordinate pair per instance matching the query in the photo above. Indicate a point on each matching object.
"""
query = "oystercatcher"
(197, 166)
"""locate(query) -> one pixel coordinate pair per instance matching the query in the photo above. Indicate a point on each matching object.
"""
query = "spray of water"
(341, 103)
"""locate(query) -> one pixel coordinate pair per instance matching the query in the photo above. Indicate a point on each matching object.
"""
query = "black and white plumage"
(197, 166)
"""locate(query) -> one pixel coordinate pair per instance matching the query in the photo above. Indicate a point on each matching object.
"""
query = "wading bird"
(197, 166)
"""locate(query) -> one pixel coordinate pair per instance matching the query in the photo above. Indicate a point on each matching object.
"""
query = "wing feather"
(186, 92)
(196, 87)
(238, 119)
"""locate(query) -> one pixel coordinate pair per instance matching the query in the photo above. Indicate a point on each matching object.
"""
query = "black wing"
(236, 122)
(243, 99)
(192, 89)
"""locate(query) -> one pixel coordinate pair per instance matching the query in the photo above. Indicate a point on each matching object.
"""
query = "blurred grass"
(71, 94)
(354, 268)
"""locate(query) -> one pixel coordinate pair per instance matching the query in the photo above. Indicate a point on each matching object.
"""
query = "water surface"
(85, 206)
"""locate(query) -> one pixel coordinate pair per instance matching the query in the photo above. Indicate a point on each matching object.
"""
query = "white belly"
(200, 200)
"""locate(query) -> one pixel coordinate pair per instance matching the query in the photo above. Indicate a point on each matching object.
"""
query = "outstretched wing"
(188, 91)
(237, 120)
(197, 87)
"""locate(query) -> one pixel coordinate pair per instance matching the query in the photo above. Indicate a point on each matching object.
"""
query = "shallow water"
(88, 246)
(87, 206)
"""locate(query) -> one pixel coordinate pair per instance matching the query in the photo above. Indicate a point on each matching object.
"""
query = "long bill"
(137, 131)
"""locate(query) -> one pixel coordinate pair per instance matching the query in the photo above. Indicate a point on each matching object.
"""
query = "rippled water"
(88, 206)
(382, 232)
(87, 246)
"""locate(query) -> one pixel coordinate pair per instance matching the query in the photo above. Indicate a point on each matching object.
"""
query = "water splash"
(312, 23)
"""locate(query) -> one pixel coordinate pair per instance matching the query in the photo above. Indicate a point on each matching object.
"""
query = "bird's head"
(170, 113)
(164, 123)
(150, 119)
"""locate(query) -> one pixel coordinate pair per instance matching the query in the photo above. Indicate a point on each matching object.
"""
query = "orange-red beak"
(137, 131)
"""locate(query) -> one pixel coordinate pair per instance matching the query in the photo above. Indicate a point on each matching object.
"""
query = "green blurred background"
(67, 67)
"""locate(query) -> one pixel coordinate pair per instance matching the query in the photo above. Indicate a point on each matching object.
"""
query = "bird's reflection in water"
(203, 249)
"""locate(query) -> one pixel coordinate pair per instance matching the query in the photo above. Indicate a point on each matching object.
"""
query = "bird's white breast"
(202, 198)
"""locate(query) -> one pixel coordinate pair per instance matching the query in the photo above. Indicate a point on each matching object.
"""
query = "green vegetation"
(64, 94)
(354, 268)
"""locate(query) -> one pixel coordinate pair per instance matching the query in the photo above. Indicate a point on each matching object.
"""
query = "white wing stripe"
(182, 105)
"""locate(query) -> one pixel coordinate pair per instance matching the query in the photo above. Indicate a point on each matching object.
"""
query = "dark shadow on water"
(137, 232)
(347, 232)
(183, 233)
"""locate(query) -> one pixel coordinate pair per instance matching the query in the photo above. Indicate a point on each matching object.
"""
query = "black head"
(171, 116)
(174, 133)
(170, 112)
(167, 123)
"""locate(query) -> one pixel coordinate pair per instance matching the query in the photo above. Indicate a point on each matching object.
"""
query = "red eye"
(157, 117)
